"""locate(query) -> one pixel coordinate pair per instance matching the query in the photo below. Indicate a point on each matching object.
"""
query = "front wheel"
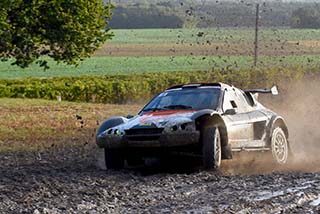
(211, 148)
(279, 146)
(113, 159)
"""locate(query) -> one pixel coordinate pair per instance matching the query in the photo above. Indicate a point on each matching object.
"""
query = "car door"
(259, 118)
(235, 115)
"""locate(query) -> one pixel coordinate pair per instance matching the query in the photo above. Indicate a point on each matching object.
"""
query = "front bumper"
(149, 141)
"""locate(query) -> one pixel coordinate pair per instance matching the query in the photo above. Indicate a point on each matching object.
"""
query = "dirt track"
(66, 180)
(73, 184)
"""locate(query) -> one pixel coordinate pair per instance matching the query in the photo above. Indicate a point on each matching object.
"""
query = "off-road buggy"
(211, 120)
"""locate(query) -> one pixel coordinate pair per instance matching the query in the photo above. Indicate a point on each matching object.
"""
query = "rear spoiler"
(273, 91)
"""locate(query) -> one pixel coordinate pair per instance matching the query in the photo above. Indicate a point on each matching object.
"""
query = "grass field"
(212, 35)
(185, 49)
(126, 65)
(28, 124)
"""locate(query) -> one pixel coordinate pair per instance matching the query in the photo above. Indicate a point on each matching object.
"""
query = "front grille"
(143, 138)
(150, 131)
(142, 134)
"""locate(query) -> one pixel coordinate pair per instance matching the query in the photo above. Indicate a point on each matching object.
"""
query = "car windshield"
(196, 99)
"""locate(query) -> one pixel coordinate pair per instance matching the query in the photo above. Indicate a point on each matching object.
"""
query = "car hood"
(158, 119)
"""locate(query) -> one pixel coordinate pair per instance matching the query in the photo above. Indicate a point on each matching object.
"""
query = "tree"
(66, 30)
(308, 17)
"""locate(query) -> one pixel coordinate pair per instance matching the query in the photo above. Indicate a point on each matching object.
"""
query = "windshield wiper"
(178, 107)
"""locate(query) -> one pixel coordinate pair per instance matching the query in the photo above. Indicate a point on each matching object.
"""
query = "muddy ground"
(71, 183)
(67, 180)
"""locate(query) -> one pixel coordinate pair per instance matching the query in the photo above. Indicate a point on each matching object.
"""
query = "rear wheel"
(279, 146)
(113, 159)
(211, 148)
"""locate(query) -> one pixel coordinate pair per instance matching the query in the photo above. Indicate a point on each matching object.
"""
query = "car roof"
(198, 85)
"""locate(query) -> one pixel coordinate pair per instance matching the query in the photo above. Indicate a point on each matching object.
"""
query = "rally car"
(211, 120)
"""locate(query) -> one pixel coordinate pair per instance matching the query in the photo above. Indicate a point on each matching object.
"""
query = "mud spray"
(299, 104)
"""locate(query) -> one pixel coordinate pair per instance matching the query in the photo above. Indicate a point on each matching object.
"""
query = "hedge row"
(135, 87)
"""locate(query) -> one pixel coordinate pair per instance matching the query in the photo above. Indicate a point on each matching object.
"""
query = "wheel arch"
(278, 121)
(215, 119)
(109, 123)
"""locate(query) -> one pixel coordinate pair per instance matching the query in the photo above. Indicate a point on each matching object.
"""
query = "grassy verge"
(33, 124)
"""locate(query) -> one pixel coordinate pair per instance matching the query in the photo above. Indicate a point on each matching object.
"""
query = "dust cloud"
(301, 109)
(299, 104)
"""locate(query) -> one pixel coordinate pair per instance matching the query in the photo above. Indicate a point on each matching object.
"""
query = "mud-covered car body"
(175, 119)
(153, 129)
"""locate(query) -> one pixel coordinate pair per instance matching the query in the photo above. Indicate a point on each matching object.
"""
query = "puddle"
(206, 209)
(265, 195)
(315, 202)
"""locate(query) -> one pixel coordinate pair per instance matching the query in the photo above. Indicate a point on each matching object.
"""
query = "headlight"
(180, 124)
(174, 128)
(183, 127)
(117, 132)
(187, 126)
(111, 131)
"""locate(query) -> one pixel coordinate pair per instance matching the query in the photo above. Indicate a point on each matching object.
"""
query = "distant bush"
(306, 17)
(135, 87)
(138, 18)
(205, 14)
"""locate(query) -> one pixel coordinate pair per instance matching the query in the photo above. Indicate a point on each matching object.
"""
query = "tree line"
(306, 17)
(205, 14)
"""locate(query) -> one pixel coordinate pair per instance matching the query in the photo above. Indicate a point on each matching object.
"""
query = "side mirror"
(231, 111)
(129, 116)
(274, 90)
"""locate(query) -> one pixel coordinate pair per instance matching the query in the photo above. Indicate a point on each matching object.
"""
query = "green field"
(159, 50)
(126, 65)
(213, 35)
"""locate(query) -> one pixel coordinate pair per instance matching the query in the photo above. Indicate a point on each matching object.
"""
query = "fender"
(202, 113)
(277, 120)
(208, 116)
(109, 123)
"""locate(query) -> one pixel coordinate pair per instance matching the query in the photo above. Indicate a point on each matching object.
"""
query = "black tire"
(134, 161)
(113, 159)
(279, 146)
(211, 148)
